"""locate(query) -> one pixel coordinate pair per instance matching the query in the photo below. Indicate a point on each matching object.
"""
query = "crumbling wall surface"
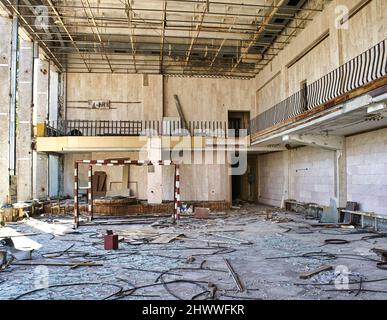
(312, 175)
(367, 170)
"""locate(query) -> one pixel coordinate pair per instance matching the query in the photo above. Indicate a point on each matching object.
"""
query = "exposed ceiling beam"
(97, 33)
(67, 32)
(129, 14)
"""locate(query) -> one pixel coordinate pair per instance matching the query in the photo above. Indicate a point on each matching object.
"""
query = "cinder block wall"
(271, 178)
(312, 175)
(367, 170)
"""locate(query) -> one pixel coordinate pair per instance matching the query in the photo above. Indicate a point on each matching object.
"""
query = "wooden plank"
(309, 274)
(167, 238)
(180, 111)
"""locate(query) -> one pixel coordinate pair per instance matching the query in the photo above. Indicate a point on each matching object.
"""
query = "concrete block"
(202, 213)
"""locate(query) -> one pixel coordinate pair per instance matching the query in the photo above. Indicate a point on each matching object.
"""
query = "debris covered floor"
(267, 248)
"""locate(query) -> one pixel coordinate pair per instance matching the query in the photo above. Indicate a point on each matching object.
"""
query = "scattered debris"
(3, 258)
(336, 241)
(16, 253)
(381, 253)
(190, 259)
(167, 238)
(202, 213)
(310, 274)
(110, 240)
(237, 281)
(239, 241)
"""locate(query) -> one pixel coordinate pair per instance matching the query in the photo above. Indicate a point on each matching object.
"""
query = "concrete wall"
(307, 173)
(198, 182)
(367, 170)
(40, 114)
(271, 178)
(206, 99)
(296, 63)
(131, 96)
(24, 124)
(5, 65)
(312, 175)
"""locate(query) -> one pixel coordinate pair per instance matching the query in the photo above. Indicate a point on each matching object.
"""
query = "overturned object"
(202, 213)
(16, 253)
(310, 274)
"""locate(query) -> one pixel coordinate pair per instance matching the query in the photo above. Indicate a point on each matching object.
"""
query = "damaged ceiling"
(227, 38)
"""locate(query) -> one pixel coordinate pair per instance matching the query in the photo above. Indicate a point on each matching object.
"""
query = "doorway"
(238, 120)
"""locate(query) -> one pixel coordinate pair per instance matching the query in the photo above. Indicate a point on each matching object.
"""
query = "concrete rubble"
(157, 260)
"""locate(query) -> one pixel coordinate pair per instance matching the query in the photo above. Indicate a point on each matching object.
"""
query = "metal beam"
(58, 16)
(315, 140)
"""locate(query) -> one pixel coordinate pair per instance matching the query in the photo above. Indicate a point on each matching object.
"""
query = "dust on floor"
(267, 249)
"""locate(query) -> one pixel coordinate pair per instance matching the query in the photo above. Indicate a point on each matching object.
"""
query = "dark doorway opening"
(238, 120)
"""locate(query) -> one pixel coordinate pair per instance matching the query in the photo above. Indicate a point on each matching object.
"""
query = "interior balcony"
(349, 100)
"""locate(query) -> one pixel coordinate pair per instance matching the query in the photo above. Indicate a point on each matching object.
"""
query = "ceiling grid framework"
(209, 38)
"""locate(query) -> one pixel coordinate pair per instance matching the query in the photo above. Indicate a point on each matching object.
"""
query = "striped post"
(76, 200)
(90, 193)
(177, 193)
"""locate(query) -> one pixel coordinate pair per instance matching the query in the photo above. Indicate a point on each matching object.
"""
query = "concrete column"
(41, 102)
(341, 177)
(5, 90)
(152, 92)
(286, 165)
(24, 122)
(155, 174)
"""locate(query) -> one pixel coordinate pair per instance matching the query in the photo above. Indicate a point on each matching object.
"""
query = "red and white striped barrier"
(91, 163)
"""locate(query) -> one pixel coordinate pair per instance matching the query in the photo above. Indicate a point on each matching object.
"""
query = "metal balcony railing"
(95, 128)
(363, 69)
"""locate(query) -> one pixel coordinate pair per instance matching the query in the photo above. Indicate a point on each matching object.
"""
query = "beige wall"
(366, 173)
(282, 77)
(367, 170)
(199, 182)
(309, 173)
(271, 178)
(5, 76)
(206, 99)
(132, 97)
(201, 98)
(312, 175)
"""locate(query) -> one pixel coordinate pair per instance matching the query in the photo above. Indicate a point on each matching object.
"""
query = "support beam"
(5, 89)
(24, 121)
(129, 14)
(314, 140)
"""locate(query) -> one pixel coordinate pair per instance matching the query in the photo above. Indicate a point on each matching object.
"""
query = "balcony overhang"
(89, 144)
(363, 113)
(74, 144)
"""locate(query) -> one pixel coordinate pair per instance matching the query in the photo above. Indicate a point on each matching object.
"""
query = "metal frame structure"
(216, 38)
(91, 163)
